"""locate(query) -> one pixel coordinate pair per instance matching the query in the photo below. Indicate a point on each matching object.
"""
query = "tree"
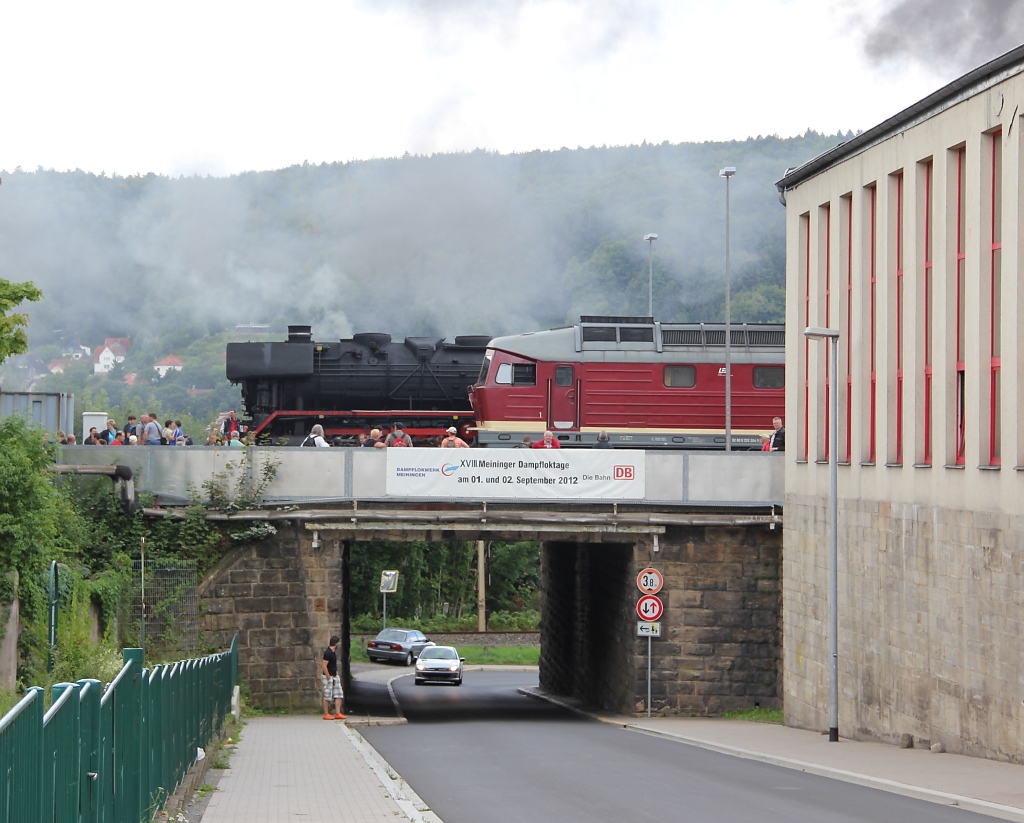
(13, 339)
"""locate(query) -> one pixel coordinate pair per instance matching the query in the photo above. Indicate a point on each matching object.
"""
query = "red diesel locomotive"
(647, 384)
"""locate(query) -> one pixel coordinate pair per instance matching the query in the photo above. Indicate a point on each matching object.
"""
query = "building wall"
(930, 531)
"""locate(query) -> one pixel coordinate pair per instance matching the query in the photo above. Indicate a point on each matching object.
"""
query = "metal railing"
(114, 754)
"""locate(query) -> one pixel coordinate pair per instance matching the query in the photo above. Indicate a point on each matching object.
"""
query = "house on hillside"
(57, 366)
(172, 361)
(112, 352)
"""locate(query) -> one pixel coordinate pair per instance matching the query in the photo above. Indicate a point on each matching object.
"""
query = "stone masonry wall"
(283, 597)
(930, 604)
(721, 632)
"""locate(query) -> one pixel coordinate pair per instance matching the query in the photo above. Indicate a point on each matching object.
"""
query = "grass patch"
(757, 715)
(220, 761)
(8, 700)
(204, 790)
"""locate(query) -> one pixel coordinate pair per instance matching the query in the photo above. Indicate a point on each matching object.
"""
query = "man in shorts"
(331, 681)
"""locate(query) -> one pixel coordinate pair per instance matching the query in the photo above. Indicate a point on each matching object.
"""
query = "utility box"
(90, 419)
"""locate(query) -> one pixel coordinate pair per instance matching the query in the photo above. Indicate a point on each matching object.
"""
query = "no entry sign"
(649, 607)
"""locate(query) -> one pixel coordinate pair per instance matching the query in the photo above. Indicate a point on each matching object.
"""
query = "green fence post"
(88, 791)
(127, 733)
(21, 760)
(61, 754)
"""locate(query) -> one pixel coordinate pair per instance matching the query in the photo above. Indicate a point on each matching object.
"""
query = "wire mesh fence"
(165, 605)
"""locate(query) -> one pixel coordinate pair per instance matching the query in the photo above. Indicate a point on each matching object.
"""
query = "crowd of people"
(146, 431)
(230, 432)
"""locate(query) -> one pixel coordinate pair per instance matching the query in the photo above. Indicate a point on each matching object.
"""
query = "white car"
(441, 664)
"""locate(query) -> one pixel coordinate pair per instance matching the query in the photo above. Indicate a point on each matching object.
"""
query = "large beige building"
(908, 240)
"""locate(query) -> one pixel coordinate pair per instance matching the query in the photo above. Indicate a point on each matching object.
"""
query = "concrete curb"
(932, 796)
(394, 784)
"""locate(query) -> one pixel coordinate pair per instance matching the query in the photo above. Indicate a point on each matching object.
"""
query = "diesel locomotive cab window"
(516, 374)
(563, 375)
(631, 335)
(681, 377)
(769, 377)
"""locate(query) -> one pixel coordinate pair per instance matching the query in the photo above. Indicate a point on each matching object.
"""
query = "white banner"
(533, 474)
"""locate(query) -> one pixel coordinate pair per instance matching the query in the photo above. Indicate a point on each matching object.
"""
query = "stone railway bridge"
(711, 523)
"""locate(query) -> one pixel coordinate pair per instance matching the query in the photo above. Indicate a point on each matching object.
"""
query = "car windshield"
(440, 652)
(392, 634)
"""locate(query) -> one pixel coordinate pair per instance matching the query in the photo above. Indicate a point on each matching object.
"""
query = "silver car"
(439, 663)
(400, 645)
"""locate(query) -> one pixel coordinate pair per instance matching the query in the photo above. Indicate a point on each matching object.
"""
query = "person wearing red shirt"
(548, 442)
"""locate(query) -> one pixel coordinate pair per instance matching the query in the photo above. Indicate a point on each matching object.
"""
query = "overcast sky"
(223, 87)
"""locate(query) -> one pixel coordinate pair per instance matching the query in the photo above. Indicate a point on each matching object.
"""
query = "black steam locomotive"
(350, 386)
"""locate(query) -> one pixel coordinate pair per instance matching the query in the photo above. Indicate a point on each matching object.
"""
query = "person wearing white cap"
(453, 441)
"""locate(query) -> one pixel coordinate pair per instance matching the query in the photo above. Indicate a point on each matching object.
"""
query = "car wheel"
(418, 682)
(408, 659)
(457, 682)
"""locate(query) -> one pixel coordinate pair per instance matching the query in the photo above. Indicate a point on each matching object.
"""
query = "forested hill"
(446, 244)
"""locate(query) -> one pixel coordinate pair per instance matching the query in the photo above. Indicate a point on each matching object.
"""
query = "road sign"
(649, 607)
(647, 629)
(650, 581)
(389, 582)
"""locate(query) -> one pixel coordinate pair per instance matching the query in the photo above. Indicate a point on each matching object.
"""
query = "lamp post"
(727, 172)
(650, 238)
(817, 333)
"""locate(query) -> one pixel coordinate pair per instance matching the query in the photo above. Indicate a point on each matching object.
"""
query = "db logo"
(624, 473)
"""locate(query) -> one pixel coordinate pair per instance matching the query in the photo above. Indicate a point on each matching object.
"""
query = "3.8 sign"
(650, 581)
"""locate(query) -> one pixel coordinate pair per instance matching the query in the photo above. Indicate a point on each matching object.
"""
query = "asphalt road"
(482, 752)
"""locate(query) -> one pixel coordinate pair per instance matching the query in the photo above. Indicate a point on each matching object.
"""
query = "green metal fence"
(114, 754)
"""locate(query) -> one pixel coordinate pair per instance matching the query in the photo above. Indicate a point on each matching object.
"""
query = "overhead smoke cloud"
(945, 36)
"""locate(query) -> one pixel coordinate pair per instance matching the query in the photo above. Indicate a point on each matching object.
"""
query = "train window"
(630, 334)
(769, 377)
(484, 368)
(681, 377)
(599, 334)
(563, 375)
(516, 374)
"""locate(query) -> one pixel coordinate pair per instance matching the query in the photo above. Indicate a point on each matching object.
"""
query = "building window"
(680, 377)
(897, 226)
(563, 375)
(960, 395)
(768, 377)
(846, 320)
(805, 308)
(995, 296)
(927, 316)
(826, 266)
(871, 273)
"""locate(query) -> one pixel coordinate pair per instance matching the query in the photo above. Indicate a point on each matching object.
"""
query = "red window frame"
(848, 450)
(995, 269)
(899, 318)
(927, 295)
(961, 318)
(873, 270)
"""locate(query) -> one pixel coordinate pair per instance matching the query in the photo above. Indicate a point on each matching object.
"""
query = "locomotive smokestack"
(300, 334)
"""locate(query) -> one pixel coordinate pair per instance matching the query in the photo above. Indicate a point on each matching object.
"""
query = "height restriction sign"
(649, 607)
(650, 581)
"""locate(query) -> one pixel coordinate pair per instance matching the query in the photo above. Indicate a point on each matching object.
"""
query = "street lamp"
(727, 172)
(650, 238)
(817, 333)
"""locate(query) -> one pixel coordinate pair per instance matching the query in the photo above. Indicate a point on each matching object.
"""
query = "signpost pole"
(648, 675)
(385, 610)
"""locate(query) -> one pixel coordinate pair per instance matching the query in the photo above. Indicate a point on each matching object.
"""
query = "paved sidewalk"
(303, 768)
(972, 783)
